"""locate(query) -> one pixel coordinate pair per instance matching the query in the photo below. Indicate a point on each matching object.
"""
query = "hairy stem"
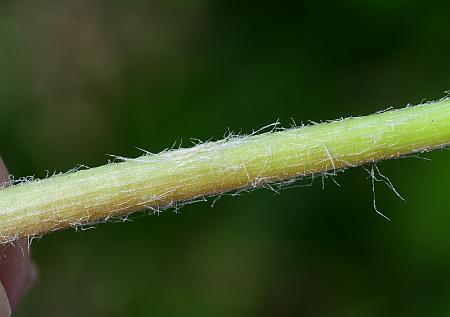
(167, 178)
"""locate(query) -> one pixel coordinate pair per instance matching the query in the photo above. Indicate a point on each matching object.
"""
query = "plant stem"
(167, 178)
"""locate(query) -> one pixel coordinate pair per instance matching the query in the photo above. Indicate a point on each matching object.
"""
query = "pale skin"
(17, 271)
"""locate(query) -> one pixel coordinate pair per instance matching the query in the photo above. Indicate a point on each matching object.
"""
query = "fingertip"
(17, 271)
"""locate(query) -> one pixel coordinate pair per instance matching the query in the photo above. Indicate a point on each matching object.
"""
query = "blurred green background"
(82, 79)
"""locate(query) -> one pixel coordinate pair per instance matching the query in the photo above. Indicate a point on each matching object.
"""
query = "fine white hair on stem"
(270, 158)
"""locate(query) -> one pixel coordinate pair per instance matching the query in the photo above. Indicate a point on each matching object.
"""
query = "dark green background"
(82, 79)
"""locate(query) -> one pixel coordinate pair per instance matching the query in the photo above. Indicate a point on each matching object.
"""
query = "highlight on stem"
(170, 178)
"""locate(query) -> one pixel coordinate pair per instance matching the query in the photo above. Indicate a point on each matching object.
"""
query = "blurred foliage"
(81, 79)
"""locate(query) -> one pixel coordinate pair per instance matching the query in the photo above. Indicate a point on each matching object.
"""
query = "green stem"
(167, 178)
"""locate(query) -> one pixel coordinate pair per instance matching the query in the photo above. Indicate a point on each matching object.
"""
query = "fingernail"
(5, 309)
